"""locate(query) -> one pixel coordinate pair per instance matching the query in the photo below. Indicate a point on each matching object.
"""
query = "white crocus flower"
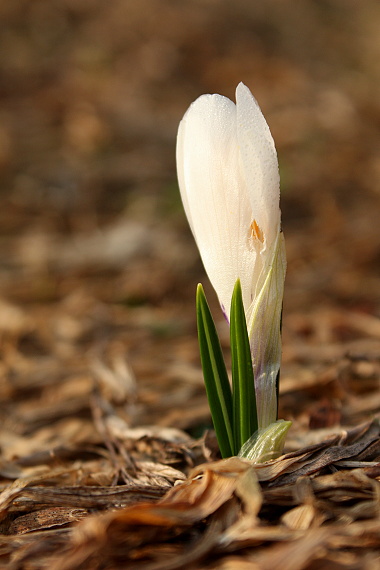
(229, 182)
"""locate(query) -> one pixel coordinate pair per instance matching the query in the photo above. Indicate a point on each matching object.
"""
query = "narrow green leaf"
(278, 375)
(243, 384)
(215, 375)
(277, 392)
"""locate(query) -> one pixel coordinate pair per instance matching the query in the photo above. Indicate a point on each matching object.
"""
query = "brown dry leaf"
(227, 494)
(303, 517)
(295, 554)
(231, 497)
(18, 487)
(234, 563)
(46, 518)
(187, 503)
(91, 497)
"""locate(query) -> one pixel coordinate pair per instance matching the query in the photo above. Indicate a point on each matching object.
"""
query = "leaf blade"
(243, 384)
(215, 375)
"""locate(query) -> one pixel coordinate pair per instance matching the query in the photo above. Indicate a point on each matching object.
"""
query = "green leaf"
(215, 375)
(278, 375)
(243, 384)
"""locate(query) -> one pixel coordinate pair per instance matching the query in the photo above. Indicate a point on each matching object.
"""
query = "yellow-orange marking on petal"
(255, 232)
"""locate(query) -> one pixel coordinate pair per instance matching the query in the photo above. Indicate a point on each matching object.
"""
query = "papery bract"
(229, 182)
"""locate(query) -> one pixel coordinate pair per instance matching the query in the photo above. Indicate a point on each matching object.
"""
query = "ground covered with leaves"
(108, 459)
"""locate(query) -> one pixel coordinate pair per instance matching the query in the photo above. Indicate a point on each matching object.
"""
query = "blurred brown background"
(96, 259)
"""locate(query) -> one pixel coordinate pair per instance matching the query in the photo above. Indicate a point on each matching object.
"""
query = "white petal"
(214, 194)
(260, 165)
